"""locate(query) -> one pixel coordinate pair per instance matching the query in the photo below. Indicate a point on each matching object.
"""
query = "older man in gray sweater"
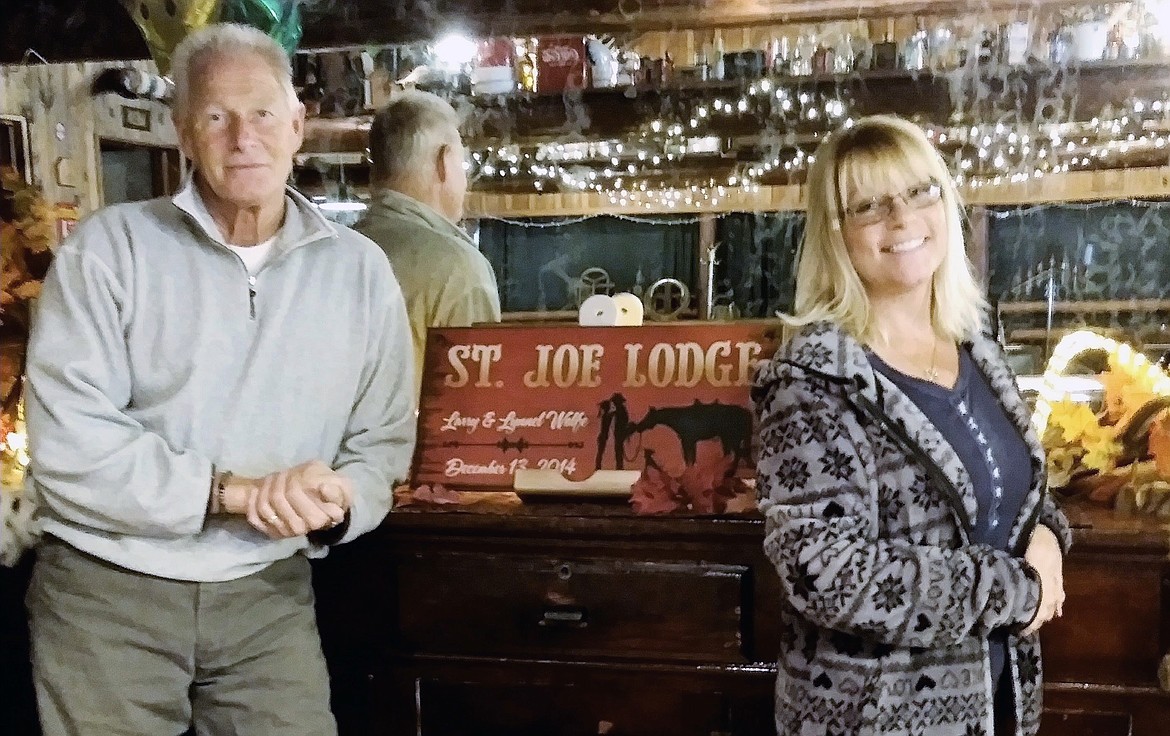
(217, 390)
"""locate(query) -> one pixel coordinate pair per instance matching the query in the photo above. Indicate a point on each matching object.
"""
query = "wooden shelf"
(1073, 186)
(1101, 305)
(767, 199)
(682, 83)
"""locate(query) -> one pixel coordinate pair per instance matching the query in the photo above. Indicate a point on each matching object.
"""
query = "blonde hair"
(888, 149)
(225, 39)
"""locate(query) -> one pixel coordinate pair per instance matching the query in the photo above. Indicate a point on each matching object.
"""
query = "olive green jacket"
(445, 280)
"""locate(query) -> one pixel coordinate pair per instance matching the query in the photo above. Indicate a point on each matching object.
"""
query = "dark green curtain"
(1083, 253)
(536, 260)
(757, 261)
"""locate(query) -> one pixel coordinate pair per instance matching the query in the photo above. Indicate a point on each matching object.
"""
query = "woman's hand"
(1044, 555)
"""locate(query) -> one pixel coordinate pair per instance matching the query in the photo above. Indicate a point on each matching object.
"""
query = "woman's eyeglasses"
(877, 209)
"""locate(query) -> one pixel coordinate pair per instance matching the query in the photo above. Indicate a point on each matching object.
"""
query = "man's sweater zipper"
(252, 296)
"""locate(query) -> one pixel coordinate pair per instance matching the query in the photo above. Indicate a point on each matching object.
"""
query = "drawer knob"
(565, 617)
(564, 571)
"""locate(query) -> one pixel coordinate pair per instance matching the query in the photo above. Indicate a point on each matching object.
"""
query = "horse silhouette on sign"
(728, 423)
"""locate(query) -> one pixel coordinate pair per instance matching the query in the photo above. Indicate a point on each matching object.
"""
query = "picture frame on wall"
(14, 145)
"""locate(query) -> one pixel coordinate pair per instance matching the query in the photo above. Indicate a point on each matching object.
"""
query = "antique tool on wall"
(666, 299)
(707, 265)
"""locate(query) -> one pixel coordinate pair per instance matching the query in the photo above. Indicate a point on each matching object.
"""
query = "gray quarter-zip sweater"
(156, 357)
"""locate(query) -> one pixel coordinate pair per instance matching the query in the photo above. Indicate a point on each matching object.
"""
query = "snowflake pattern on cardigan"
(887, 604)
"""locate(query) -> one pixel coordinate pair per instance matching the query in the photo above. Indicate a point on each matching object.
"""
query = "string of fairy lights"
(640, 170)
(625, 170)
(543, 223)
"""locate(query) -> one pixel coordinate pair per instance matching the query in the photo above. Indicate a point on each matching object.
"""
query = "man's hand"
(1044, 555)
(298, 500)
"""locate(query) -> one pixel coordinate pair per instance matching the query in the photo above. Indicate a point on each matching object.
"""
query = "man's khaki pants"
(120, 653)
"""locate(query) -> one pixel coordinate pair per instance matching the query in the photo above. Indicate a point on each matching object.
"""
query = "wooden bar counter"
(583, 618)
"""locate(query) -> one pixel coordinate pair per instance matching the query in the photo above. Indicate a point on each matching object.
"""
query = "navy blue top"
(970, 418)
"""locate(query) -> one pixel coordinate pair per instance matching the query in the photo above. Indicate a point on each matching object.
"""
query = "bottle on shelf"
(885, 53)
(702, 71)
(771, 51)
(915, 53)
(526, 64)
(781, 64)
(1114, 46)
(844, 58)
(822, 56)
(665, 69)
(945, 48)
(717, 66)
(1017, 42)
(802, 55)
(1060, 45)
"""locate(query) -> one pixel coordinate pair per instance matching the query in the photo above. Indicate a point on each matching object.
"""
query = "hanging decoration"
(280, 19)
(164, 23)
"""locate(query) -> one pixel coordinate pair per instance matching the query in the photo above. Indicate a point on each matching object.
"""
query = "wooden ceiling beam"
(74, 30)
(375, 21)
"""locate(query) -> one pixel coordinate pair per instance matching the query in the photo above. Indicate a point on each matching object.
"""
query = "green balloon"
(280, 19)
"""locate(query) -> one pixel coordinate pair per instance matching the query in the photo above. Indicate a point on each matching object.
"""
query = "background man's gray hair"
(406, 132)
(225, 39)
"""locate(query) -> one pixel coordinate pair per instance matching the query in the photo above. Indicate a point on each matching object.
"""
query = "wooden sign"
(575, 400)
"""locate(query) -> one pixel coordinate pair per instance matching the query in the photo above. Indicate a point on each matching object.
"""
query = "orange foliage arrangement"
(1120, 454)
(25, 244)
(26, 235)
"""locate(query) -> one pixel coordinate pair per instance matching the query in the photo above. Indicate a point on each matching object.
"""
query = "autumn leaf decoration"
(709, 486)
(1160, 444)
(438, 496)
(655, 492)
(1125, 446)
(25, 242)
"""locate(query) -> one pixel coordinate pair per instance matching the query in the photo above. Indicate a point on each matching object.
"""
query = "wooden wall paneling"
(977, 243)
(66, 122)
(42, 94)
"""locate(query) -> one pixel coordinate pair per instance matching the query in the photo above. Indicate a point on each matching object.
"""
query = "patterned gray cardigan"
(887, 604)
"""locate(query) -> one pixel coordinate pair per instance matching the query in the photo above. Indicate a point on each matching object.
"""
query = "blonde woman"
(902, 484)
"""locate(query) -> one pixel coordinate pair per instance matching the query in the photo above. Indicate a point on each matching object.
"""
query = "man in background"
(419, 183)
(217, 389)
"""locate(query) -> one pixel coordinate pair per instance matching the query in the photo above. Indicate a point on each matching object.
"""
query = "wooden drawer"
(617, 707)
(514, 605)
(1109, 632)
(1063, 723)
